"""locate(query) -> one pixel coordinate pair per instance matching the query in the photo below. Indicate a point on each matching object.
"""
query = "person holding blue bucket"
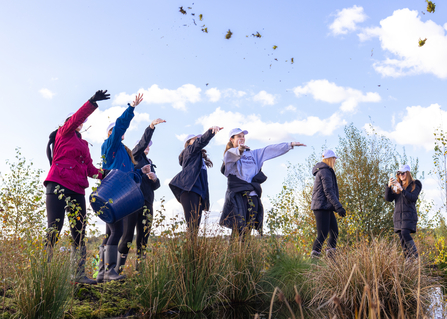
(71, 164)
(141, 219)
(190, 186)
(115, 156)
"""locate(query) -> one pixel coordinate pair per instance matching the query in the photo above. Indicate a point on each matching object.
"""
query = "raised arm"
(81, 115)
(146, 138)
(203, 140)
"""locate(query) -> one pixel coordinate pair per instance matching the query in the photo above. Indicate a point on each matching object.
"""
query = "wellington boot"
(411, 250)
(78, 256)
(315, 254)
(331, 253)
(110, 257)
(121, 262)
(101, 267)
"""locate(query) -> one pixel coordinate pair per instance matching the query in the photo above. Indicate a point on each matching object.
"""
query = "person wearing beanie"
(404, 191)
(142, 218)
(70, 165)
(325, 200)
(243, 209)
(190, 186)
(115, 155)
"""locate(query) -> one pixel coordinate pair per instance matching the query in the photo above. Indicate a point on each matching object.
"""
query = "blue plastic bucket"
(117, 196)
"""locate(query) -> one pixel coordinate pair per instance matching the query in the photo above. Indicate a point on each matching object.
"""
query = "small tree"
(22, 204)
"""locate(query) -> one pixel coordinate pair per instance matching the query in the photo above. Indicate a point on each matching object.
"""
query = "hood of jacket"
(319, 166)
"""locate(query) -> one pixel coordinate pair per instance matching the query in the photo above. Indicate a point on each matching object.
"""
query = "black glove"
(99, 96)
(341, 212)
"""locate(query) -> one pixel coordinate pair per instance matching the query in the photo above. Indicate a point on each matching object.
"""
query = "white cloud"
(213, 94)
(181, 137)
(399, 35)
(323, 90)
(187, 93)
(265, 98)
(99, 120)
(269, 132)
(346, 20)
(234, 93)
(417, 126)
(47, 94)
(289, 108)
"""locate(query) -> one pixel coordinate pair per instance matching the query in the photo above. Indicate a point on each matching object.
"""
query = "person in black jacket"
(325, 200)
(404, 192)
(142, 218)
(190, 186)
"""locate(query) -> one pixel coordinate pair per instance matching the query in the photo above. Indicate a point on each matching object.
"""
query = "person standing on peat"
(142, 219)
(325, 200)
(404, 192)
(115, 156)
(242, 209)
(190, 186)
(70, 165)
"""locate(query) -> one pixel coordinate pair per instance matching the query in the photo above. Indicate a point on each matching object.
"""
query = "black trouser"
(193, 208)
(252, 202)
(404, 236)
(56, 215)
(326, 224)
(142, 219)
(113, 233)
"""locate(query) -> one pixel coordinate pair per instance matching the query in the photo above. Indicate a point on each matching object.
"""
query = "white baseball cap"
(111, 125)
(236, 131)
(328, 154)
(190, 136)
(404, 168)
(71, 114)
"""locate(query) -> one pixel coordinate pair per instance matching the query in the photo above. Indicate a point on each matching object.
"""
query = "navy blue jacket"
(405, 214)
(113, 151)
(233, 212)
(148, 186)
(325, 192)
(191, 161)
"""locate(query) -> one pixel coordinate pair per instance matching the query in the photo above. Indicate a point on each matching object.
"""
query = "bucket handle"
(137, 175)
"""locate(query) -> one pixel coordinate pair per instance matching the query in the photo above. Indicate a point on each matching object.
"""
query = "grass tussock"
(372, 278)
(44, 288)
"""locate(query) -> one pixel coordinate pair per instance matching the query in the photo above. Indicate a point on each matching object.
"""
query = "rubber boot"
(330, 253)
(101, 268)
(315, 254)
(412, 251)
(110, 256)
(49, 251)
(140, 260)
(121, 262)
(78, 256)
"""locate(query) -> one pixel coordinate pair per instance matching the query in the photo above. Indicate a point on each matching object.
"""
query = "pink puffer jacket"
(71, 161)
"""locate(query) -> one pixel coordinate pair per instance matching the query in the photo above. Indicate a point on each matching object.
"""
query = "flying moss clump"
(422, 42)
(229, 34)
(430, 6)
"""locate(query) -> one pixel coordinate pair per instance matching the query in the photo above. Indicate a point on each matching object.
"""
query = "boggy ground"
(207, 277)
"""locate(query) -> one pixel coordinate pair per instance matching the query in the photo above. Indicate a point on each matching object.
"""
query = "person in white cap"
(404, 192)
(141, 219)
(71, 164)
(190, 186)
(325, 200)
(115, 156)
(243, 209)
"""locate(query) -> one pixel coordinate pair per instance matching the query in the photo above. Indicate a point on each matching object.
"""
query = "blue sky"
(354, 62)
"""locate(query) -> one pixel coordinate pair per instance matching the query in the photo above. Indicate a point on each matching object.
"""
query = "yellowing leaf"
(275, 47)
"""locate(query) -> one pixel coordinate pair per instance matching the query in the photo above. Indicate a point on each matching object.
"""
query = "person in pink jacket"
(68, 174)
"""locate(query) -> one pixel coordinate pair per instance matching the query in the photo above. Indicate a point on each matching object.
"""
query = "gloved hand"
(341, 212)
(99, 96)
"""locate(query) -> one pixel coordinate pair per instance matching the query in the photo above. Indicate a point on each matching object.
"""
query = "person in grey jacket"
(404, 192)
(243, 210)
(325, 200)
